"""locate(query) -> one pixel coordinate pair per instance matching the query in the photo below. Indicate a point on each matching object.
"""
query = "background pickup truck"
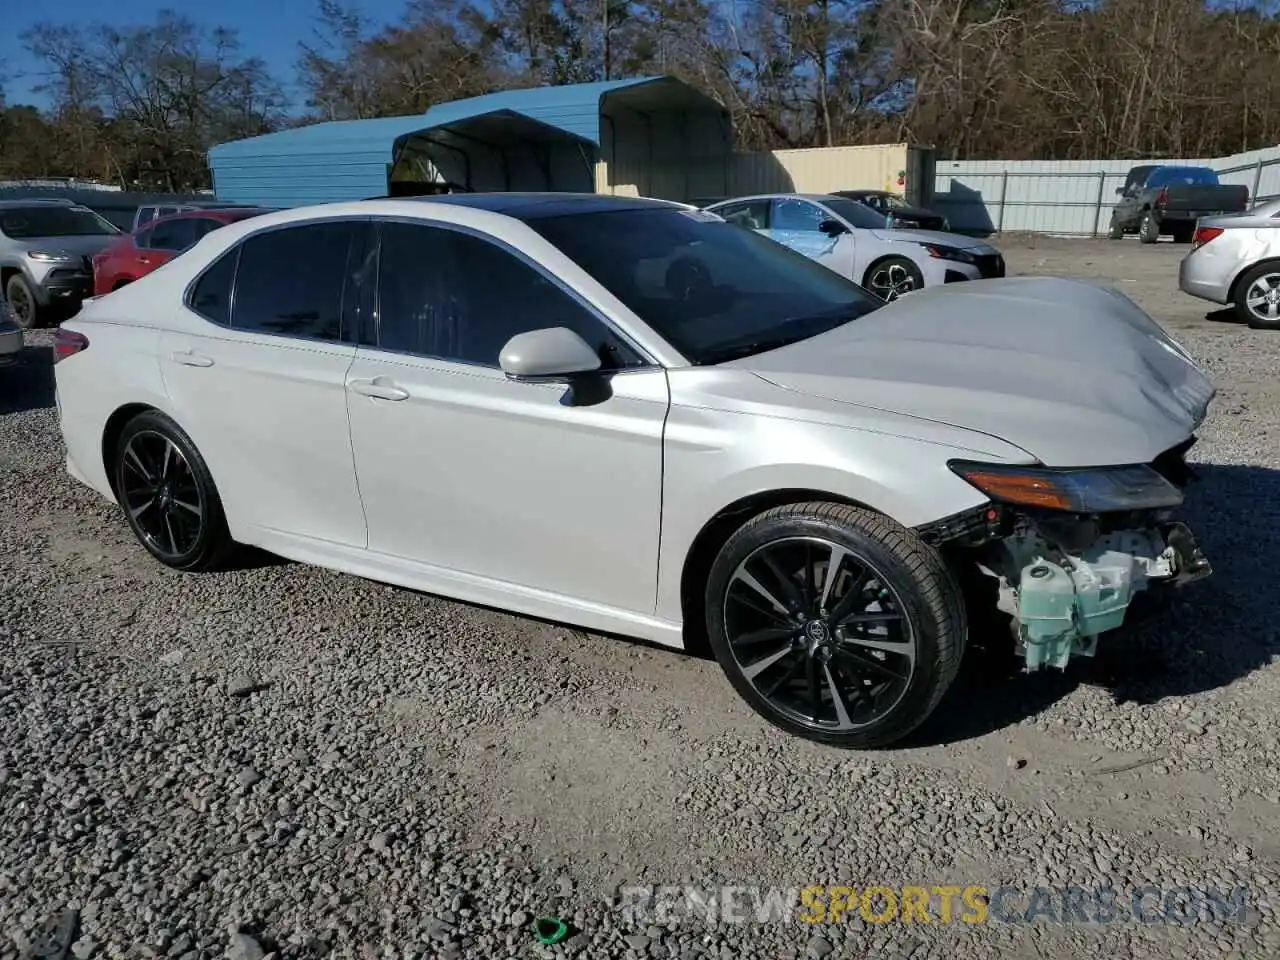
(1159, 200)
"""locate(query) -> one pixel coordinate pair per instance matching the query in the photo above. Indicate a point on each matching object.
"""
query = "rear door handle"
(144, 259)
(380, 387)
(191, 359)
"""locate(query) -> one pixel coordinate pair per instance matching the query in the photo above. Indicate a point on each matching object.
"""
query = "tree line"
(139, 105)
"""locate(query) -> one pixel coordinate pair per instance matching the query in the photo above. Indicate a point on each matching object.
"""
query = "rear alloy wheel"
(1149, 231)
(1258, 297)
(22, 301)
(892, 277)
(167, 494)
(835, 623)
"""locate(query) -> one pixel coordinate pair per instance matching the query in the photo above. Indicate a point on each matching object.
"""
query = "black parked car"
(893, 205)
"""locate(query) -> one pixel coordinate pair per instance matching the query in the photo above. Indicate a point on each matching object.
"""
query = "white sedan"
(856, 242)
(631, 416)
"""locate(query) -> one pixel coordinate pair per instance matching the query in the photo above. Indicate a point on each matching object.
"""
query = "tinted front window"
(24, 223)
(796, 215)
(447, 294)
(290, 281)
(211, 296)
(709, 288)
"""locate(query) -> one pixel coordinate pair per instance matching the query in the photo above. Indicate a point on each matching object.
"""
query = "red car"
(137, 254)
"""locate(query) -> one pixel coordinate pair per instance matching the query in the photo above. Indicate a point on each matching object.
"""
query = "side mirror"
(1119, 191)
(552, 353)
(832, 228)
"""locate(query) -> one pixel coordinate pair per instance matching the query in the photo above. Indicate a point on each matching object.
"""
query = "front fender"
(715, 459)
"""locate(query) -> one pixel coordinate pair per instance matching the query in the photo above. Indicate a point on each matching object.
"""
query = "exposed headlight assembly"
(1082, 490)
(949, 253)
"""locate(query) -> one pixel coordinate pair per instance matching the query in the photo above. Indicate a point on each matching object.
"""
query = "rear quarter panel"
(119, 368)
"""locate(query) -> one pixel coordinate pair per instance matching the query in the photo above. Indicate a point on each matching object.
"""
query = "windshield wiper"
(830, 320)
(734, 351)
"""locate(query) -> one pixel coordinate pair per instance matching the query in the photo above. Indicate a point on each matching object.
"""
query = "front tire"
(168, 494)
(835, 623)
(1116, 230)
(22, 302)
(891, 277)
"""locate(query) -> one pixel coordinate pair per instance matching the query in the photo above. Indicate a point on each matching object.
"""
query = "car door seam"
(351, 442)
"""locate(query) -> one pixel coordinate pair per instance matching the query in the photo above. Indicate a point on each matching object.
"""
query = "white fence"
(1071, 197)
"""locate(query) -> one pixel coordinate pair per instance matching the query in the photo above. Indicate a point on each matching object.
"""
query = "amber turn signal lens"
(1030, 491)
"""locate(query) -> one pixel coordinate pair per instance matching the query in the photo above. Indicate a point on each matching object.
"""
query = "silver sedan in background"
(855, 242)
(1235, 259)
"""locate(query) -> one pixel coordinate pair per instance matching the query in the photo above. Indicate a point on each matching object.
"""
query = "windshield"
(714, 291)
(895, 202)
(23, 223)
(858, 214)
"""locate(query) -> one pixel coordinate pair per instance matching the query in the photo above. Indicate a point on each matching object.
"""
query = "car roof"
(816, 197)
(525, 206)
(495, 213)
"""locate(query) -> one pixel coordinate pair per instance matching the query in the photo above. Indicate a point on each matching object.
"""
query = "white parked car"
(856, 242)
(631, 416)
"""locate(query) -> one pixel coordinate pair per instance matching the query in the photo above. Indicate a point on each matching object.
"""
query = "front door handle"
(191, 359)
(380, 387)
(144, 259)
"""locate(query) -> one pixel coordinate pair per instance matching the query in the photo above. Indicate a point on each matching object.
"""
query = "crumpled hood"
(1070, 371)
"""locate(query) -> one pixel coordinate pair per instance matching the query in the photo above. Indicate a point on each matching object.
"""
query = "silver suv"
(46, 251)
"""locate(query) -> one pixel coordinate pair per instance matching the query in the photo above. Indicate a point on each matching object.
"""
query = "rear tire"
(806, 650)
(168, 495)
(1149, 231)
(1258, 283)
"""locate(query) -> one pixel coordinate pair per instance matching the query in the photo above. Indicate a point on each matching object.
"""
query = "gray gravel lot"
(284, 759)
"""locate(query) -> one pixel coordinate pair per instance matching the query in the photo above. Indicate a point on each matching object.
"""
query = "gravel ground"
(284, 759)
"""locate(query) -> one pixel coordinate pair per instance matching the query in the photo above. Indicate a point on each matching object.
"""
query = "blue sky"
(269, 29)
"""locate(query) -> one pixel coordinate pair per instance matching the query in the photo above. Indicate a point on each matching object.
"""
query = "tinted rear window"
(1169, 176)
(290, 281)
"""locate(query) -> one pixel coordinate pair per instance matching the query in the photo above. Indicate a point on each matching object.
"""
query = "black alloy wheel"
(22, 302)
(835, 623)
(168, 496)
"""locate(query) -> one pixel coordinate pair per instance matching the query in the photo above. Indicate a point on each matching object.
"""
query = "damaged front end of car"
(1070, 549)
